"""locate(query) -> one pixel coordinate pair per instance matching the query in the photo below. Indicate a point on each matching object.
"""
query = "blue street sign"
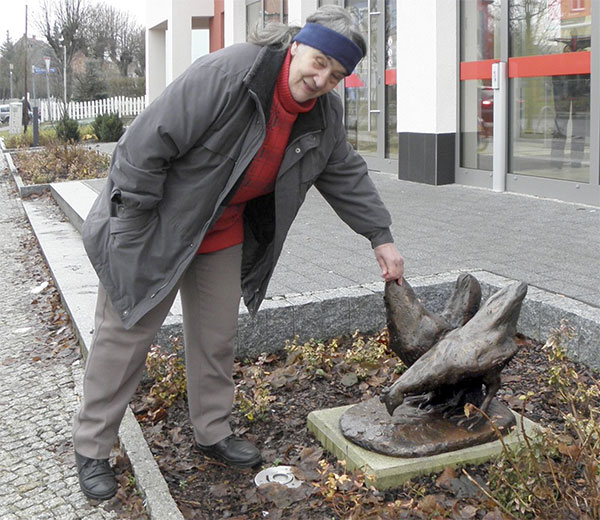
(42, 70)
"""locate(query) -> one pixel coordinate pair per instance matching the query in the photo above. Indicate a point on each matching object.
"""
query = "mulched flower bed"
(60, 162)
(276, 392)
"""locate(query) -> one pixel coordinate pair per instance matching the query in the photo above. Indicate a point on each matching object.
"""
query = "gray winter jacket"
(177, 166)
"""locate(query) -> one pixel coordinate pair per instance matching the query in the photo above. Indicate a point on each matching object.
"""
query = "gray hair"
(333, 17)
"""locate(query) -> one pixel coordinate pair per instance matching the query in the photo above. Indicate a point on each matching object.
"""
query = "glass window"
(391, 136)
(480, 30)
(550, 113)
(356, 89)
(262, 12)
(253, 18)
(272, 11)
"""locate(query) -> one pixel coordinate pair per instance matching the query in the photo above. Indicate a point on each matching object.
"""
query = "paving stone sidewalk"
(37, 468)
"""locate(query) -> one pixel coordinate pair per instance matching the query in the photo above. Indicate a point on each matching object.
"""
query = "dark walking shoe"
(96, 478)
(233, 451)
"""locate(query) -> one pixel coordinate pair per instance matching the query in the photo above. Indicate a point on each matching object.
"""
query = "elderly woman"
(201, 193)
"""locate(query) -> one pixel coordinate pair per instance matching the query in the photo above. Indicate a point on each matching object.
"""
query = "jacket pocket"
(129, 220)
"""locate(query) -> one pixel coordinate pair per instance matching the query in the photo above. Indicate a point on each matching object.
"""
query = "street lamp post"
(10, 68)
(47, 61)
(33, 82)
(65, 73)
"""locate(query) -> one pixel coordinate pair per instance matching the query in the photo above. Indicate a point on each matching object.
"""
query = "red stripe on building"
(476, 69)
(353, 81)
(550, 65)
(531, 66)
(390, 76)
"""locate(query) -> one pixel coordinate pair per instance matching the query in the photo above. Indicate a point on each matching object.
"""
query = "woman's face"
(312, 73)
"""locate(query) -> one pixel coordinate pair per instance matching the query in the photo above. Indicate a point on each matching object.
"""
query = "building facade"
(500, 94)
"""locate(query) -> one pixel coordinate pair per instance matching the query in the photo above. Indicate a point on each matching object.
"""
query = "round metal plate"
(280, 475)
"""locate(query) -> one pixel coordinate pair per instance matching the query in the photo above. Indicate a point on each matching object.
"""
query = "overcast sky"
(12, 15)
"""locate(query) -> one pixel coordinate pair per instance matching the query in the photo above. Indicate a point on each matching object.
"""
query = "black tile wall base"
(426, 158)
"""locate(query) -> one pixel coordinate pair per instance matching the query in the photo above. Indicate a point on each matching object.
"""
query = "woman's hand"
(390, 261)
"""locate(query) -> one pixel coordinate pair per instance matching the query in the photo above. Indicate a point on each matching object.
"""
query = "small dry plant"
(368, 359)
(253, 394)
(317, 358)
(556, 473)
(167, 370)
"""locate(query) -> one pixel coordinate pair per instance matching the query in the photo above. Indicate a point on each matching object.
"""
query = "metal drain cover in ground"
(278, 474)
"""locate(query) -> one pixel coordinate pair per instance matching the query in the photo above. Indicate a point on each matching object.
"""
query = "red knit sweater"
(260, 177)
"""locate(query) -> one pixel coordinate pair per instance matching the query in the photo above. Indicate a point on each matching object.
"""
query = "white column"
(427, 57)
(155, 62)
(235, 21)
(179, 40)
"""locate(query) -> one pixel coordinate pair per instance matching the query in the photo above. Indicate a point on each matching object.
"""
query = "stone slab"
(75, 200)
(384, 472)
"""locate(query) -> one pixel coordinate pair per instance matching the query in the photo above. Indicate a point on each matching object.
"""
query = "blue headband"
(332, 44)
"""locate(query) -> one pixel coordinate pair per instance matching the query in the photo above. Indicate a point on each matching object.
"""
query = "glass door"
(547, 46)
(479, 49)
(370, 92)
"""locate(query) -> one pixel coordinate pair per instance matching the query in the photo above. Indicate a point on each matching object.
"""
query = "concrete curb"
(24, 190)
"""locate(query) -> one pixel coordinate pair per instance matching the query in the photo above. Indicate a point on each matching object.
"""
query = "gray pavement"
(548, 244)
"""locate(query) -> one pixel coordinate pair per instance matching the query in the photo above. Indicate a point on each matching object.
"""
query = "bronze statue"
(413, 330)
(464, 359)
(451, 359)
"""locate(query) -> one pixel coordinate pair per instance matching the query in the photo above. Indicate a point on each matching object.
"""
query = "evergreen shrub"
(67, 130)
(108, 128)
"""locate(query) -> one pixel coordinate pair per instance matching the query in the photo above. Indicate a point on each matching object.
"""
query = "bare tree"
(114, 35)
(140, 51)
(8, 56)
(63, 25)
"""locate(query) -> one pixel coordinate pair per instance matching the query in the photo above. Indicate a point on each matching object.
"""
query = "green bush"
(108, 127)
(67, 130)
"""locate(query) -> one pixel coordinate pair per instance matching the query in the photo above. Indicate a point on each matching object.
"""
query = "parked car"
(4, 114)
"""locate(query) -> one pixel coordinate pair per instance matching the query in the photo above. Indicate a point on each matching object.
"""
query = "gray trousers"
(210, 297)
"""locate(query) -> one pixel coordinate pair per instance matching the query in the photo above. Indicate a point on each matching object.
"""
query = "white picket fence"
(52, 109)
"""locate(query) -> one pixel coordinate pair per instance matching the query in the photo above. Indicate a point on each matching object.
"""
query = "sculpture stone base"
(385, 472)
(411, 432)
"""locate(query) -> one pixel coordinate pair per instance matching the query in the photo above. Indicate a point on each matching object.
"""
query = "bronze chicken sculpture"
(453, 356)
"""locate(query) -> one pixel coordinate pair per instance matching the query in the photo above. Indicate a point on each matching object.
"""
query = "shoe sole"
(93, 496)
